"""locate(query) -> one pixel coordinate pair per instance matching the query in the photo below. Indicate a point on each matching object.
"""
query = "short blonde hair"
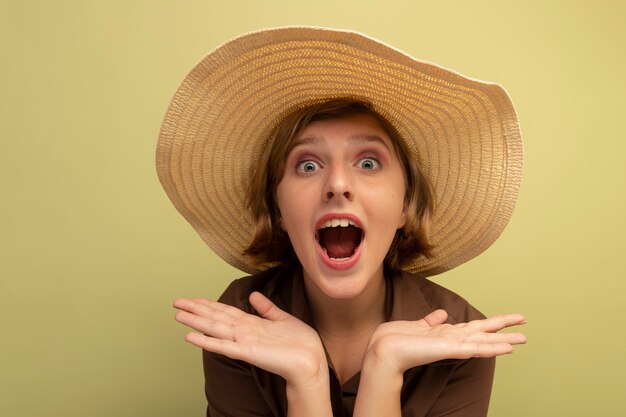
(270, 243)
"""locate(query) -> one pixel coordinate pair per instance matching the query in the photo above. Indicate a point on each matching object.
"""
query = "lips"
(339, 238)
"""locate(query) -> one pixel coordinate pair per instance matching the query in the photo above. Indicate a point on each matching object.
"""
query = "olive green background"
(92, 252)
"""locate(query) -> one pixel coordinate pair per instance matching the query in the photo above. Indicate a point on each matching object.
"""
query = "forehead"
(356, 129)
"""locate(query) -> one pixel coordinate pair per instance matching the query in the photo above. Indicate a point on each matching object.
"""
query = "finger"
(207, 325)
(219, 346)
(494, 338)
(496, 323)
(201, 301)
(480, 350)
(266, 308)
(436, 318)
(208, 308)
(189, 304)
(195, 300)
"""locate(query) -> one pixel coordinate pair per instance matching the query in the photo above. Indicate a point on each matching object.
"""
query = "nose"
(338, 184)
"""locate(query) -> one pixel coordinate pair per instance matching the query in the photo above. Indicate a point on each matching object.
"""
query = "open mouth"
(339, 238)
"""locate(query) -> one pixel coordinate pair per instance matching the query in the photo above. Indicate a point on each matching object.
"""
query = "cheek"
(398, 200)
(402, 220)
(289, 203)
(281, 197)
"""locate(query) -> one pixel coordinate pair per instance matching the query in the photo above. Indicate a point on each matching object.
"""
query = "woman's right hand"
(276, 342)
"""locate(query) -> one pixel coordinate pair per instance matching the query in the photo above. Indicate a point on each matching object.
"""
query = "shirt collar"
(408, 301)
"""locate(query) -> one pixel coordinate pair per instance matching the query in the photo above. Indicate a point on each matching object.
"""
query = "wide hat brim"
(464, 133)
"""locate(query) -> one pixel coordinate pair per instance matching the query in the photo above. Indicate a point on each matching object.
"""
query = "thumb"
(436, 318)
(266, 308)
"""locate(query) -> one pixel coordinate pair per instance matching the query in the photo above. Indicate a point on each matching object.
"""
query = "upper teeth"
(338, 223)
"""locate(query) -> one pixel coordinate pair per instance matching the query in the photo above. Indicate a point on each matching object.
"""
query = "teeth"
(338, 223)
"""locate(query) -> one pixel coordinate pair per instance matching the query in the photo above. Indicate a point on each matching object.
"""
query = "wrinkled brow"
(359, 139)
(355, 139)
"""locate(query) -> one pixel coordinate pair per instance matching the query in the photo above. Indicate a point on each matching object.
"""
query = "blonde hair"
(270, 243)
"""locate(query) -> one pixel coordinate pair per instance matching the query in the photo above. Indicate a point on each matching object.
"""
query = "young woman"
(335, 169)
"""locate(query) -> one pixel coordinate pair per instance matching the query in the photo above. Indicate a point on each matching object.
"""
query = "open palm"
(400, 345)
(276, 341)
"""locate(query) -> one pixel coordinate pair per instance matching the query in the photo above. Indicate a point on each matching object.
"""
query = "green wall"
(93, 253)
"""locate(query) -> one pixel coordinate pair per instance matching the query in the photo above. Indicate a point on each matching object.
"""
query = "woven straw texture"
(464, 133)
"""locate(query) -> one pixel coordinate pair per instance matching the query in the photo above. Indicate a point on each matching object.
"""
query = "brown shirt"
(446, 388)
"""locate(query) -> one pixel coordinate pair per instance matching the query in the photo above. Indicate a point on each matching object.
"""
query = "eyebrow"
(354, 139)
(359, 138)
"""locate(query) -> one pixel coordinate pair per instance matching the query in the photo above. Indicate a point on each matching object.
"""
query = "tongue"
(340, 242)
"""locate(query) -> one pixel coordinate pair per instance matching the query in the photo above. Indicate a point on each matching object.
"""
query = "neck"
(348, 317)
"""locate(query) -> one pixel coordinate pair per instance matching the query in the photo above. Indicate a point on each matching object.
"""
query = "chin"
(344, 286)
(342, 294)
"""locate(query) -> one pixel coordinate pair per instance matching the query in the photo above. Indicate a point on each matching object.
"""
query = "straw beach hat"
(463, 132)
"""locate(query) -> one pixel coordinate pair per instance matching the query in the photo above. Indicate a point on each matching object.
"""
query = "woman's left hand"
(399, 345)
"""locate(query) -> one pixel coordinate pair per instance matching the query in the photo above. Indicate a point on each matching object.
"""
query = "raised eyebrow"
(354, 139)
(360, 138)
(309, 140)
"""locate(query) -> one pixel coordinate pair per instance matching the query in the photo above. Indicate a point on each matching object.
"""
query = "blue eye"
(368, 164)
(307, 166)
